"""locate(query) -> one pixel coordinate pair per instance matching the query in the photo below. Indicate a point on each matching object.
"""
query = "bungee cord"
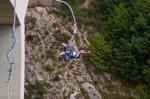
(10, 52)
(73, 15)
(71, 41)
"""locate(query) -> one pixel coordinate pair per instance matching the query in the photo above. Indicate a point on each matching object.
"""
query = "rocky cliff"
(47, 76)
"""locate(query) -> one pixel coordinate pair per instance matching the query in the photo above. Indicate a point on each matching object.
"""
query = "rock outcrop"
(47, 75)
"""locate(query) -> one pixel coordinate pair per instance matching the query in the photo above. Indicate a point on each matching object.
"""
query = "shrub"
(49, 68)
(37, 90)
(146, 74)
(127, 29)
(142, 92)
(100, 52)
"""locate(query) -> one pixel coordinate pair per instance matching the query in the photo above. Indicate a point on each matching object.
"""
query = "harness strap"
(70, 54)
(77, 54)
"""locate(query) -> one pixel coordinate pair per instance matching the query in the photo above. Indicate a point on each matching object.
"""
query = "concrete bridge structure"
(6, 22)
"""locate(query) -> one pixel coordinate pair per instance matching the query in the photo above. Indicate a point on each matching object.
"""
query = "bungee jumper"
(70, 52)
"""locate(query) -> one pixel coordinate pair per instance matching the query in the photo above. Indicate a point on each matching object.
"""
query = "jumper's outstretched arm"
(85, 52)
(62, 53)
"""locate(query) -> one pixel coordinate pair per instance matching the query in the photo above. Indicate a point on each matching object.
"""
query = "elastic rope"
(71, 41)
(74, 19)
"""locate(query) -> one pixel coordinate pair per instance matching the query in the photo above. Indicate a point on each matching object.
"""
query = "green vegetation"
(49, 68)
(142, 92)
(40, 91)
(127, 29)
(101, 52)
(37, 89)
(125, 42)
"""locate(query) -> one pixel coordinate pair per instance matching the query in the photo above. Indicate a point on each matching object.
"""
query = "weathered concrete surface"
(6, 21)
(5, 31)
(6, 12)
(21, 7)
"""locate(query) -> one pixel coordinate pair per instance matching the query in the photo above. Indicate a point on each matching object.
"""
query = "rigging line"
(10, 51)
(74, 19)
(13, 39)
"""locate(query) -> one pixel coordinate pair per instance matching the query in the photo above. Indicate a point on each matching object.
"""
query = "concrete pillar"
(6, 20)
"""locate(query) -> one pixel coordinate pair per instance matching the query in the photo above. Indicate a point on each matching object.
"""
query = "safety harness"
(69, 54)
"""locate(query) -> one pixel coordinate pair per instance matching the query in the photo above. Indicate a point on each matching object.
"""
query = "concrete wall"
(19, 57)
(5, 43)
(21, 7)
(6, 12)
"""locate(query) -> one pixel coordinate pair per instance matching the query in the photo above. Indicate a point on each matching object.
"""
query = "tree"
(100, 52)
(127, 29)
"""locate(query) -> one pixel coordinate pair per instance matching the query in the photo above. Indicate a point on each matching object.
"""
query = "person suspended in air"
(70, 52)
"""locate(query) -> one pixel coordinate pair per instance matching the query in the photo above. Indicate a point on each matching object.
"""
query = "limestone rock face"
(47, 76)
(40, 2)
(44, 34)
(90, 89)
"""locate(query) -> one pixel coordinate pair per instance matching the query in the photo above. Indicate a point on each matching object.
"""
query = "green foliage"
(127, 29)
(146, 74)
(37, 89)
(127, 66)
(106, 6)
(49, 68)
(100, 52)
(142, 92)
(40, 90)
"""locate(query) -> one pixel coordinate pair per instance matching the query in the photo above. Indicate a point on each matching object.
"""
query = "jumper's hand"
(64, 44)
